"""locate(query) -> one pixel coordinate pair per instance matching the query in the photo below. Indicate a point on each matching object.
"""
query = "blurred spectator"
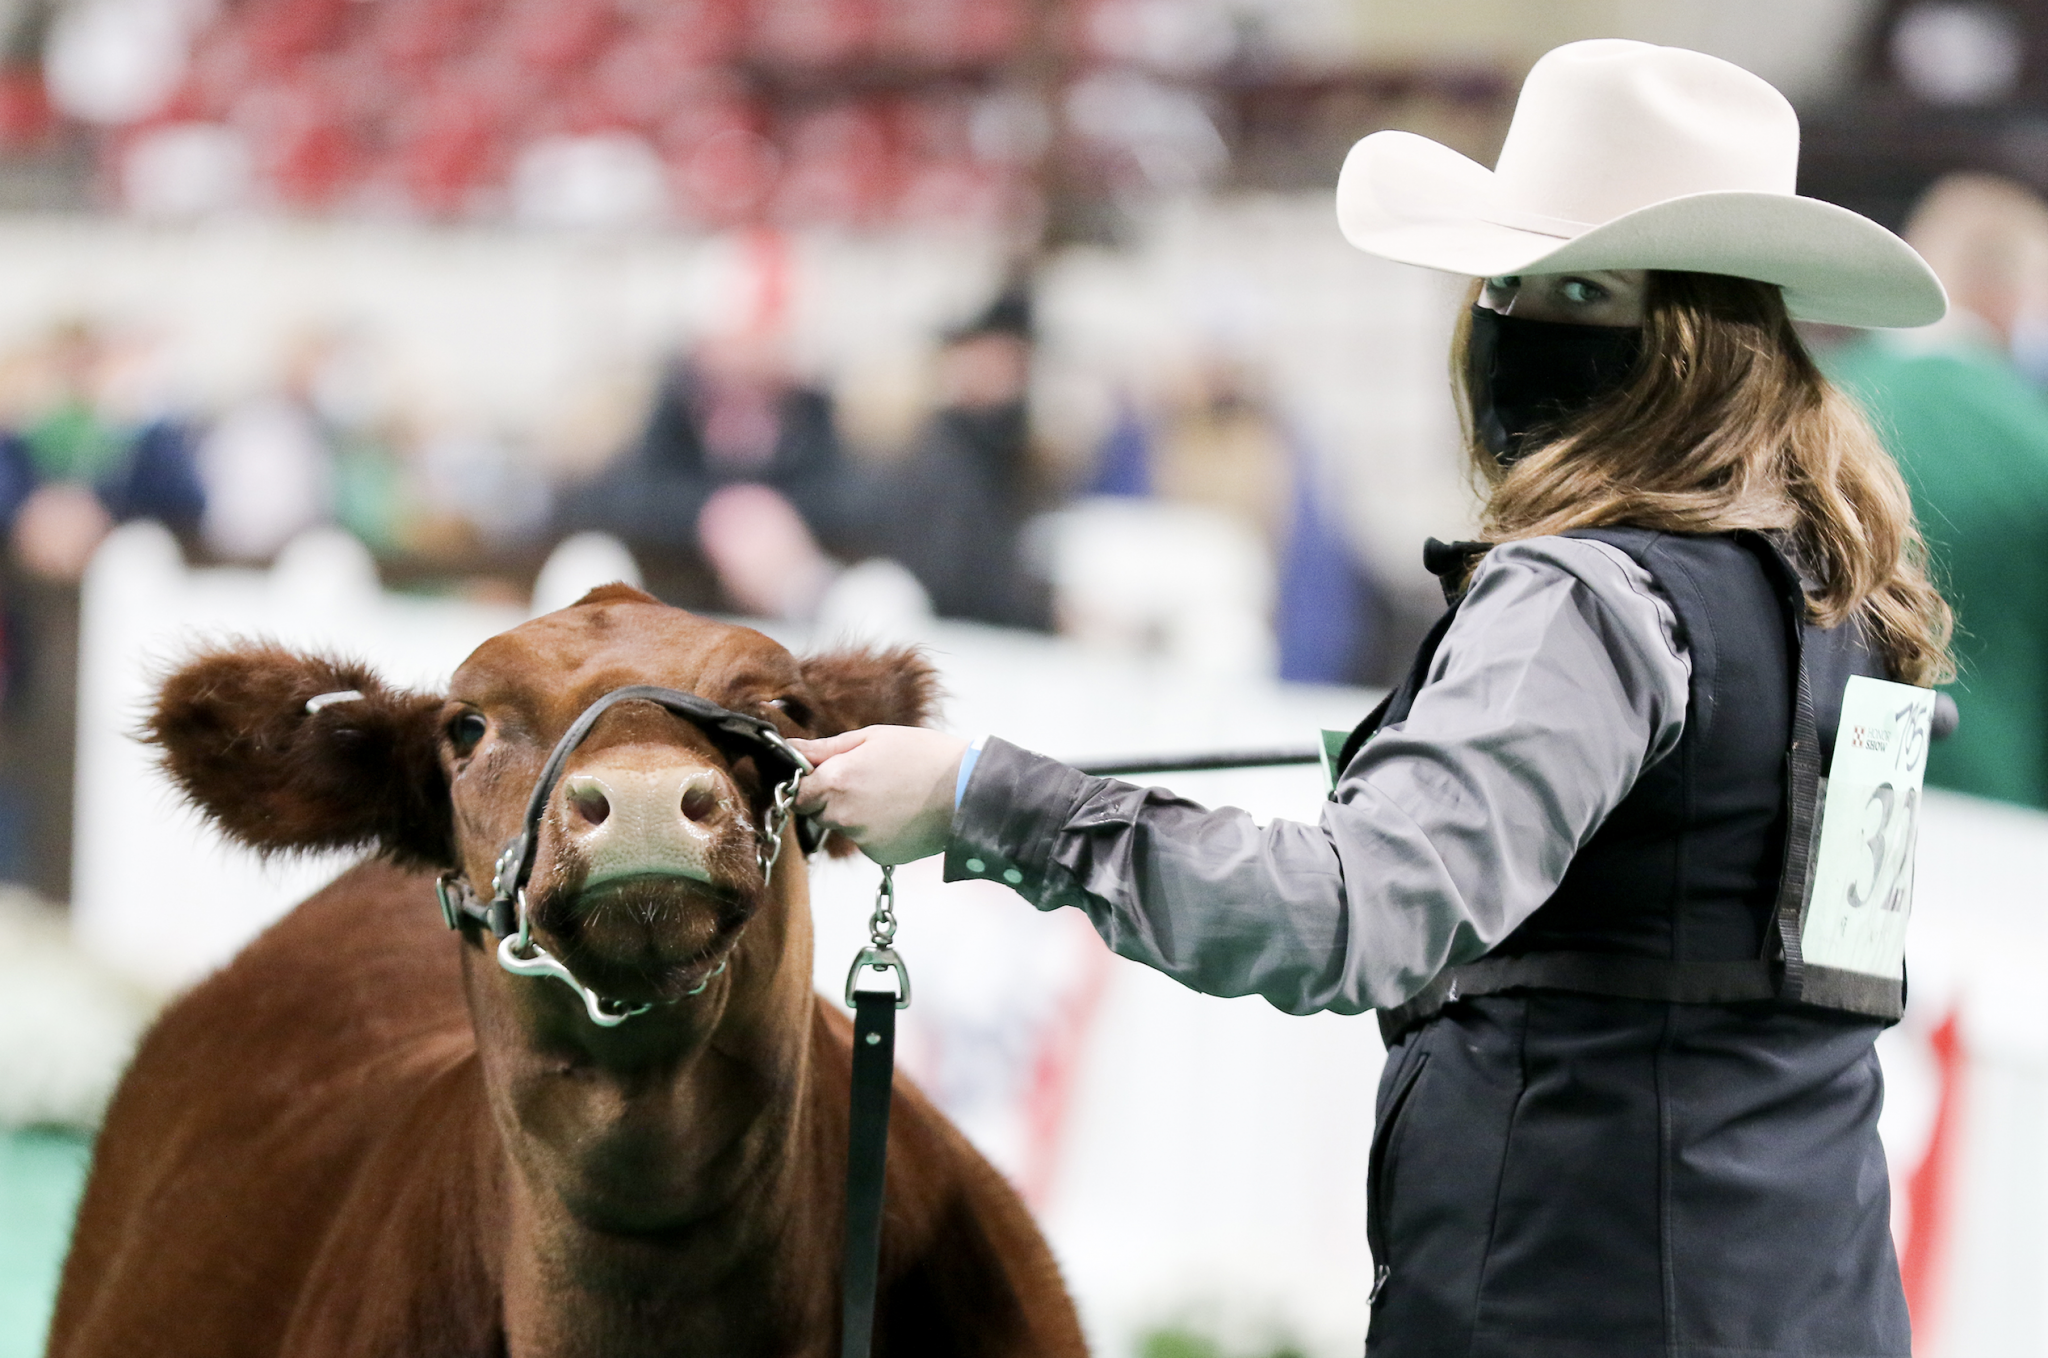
(1331, 617)
(268, 474)
(766, 558)
(954, 511)
(1220, 446)
(93, 448)
(730, 414)
(306, 453)
(80, 464)
(471, 491)
(951, 513)
(1971, 434)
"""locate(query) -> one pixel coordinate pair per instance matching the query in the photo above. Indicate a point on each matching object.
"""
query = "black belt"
(1611, 975)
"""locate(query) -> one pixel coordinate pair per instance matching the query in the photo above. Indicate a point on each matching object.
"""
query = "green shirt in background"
(1971, 436)
(72, 443)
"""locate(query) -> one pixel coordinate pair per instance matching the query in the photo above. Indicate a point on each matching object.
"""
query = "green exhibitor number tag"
(1332, 747)
(1870, 824)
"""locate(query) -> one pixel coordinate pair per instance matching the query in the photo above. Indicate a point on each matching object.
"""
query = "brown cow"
(364, 1137)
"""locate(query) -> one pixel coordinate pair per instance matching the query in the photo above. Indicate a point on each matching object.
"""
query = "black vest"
(1693, 888)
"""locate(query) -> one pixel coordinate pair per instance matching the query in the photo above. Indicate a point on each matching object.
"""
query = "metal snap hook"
(879, 955)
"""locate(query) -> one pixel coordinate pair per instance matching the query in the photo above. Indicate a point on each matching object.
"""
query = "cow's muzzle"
(620, 822)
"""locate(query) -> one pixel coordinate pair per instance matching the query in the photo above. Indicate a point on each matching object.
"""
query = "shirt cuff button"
(976, 865)
(1012, 876)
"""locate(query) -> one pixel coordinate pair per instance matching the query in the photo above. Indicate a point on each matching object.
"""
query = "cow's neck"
(659, 1189)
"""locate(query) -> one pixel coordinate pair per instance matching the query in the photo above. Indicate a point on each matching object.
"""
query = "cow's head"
(645, 868)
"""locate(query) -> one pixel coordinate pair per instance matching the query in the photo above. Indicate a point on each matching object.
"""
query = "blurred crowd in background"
(1133, 400)
(1052, 143)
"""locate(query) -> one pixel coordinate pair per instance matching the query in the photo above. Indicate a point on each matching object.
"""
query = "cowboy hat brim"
(1412, 200)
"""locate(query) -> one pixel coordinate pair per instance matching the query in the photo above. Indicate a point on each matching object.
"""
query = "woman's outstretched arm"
(1561, 680)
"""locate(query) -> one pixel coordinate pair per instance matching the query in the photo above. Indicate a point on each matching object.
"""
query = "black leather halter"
(735, 732)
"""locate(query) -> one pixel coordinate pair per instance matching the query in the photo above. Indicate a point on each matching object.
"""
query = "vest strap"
(1611, 975)
(1803, 792)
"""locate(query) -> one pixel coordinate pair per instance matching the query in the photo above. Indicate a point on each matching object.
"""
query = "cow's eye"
(793, 709)
(466, 730)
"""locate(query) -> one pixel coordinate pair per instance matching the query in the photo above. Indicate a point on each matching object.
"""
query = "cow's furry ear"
(238, 741)
(868, 687)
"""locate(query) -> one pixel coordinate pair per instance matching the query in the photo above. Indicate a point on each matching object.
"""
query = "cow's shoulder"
(356, 982)
(292, 1111)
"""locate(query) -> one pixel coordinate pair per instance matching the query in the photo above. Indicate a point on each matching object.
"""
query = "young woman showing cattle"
(1622, 1112)
(366, 1136)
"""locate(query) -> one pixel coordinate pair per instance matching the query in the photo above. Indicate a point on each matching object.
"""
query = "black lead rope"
(867, 1122)
(1197, 763)
(867, 1162)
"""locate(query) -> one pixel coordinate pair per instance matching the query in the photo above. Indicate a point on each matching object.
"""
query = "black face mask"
(1530, 376)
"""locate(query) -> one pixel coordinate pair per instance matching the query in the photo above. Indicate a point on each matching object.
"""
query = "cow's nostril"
(699, 802)
(589, 804)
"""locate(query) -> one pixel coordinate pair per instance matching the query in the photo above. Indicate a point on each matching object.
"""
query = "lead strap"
(867, 1156)
(867, 1136)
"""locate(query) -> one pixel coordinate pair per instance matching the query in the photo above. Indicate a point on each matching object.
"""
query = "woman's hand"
(889, 789)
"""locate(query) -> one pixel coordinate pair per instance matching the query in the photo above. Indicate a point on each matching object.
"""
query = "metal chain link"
(882, 924)
(768, 845)
(880, 953)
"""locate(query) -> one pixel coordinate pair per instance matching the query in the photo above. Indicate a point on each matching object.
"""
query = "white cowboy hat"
(1625, 155)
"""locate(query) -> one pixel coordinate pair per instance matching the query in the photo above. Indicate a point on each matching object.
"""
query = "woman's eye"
(1582, 293)
(466, 730)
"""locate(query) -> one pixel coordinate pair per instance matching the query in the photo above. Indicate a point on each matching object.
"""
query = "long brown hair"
(1726, 424)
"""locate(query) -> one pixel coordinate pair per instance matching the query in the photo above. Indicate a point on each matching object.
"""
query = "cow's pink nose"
(630, 822)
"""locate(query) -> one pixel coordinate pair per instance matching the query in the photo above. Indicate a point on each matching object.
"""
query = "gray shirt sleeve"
(1562, 678)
